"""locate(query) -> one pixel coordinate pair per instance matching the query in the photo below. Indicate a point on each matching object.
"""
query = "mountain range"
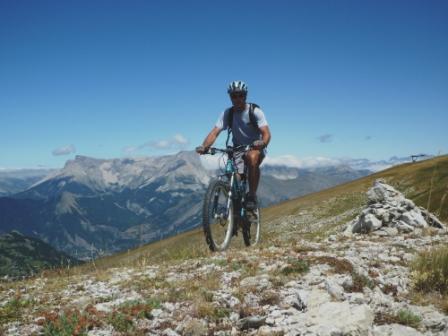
(95, 206)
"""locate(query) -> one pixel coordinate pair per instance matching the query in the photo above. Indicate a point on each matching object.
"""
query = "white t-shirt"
(243, 132)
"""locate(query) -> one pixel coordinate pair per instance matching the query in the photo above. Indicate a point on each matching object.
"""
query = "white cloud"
(320, 161)
(161, 144)
(177, 142)
(180, 139)
(65, 150)
(130, 149)
(218, 161)
(293, 161)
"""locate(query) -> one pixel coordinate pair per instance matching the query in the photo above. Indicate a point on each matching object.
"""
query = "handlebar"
(228, 150)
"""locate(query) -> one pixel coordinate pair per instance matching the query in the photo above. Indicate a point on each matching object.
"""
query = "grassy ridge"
(413, 179)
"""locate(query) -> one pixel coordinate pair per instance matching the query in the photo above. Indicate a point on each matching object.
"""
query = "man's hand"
(201, 150)
(258, 144)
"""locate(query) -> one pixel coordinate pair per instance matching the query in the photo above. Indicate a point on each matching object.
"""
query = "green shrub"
(295, 266)
(211, 312)
(408, 318)
(121, 322)
(403, 316)
(71, 322)
(360, 281)
(12, 311)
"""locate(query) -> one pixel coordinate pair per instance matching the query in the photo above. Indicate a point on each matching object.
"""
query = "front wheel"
(217, 216)
(251, 227)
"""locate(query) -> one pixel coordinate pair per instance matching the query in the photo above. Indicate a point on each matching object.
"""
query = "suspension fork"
(229, 199)
(244, 190)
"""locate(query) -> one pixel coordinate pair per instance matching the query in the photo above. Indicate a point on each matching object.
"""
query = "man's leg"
(253, 160)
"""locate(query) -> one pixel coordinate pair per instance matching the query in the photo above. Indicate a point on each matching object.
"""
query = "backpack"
(253, 119)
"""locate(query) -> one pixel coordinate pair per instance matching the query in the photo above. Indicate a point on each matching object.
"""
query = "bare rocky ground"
(359, 284)
(341, 286)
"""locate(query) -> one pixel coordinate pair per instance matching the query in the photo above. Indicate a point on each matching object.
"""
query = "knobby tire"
(209, 223)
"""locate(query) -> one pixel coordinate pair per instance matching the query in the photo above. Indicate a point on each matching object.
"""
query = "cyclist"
(248, 126)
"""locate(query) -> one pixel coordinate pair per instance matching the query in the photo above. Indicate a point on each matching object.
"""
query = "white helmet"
(237, 86)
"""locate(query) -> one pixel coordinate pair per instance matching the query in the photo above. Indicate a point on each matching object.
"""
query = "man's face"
(238, 100)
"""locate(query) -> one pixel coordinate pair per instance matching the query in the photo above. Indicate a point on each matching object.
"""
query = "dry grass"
(14, 309)
(270, 297)
(210, 311)
(404, 317)
(340, 266)
(359, 283)
(295, 266)
(390, 289)
(433, 298)
(430, 270)
(76, 322)
(430, 277)
(197, 287)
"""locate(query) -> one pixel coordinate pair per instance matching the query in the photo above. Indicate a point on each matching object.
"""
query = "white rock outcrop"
(388, 212)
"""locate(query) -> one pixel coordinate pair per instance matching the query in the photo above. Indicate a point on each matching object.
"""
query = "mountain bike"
(224, 211)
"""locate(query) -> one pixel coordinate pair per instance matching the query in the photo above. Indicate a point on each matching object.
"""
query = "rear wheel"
(251, 227)
(217, 216)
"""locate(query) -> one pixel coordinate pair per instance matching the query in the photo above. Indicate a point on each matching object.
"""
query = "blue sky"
(108, 79)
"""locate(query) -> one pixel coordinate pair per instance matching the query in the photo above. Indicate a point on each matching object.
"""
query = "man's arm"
(209, 140)
(265, 135)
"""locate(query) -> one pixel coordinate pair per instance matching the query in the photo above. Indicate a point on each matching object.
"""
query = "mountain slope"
(280, 183)
(23, 256)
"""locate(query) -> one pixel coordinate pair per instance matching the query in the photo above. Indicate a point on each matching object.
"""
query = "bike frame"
(237, 191)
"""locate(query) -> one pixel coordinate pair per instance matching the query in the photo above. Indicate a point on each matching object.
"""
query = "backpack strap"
(229, 123)
(230, 118)
(252, 117)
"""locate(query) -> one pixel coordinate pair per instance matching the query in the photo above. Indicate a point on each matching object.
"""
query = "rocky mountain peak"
(117, 174)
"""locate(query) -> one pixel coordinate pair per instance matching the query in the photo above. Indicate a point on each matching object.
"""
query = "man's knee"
(253, 158)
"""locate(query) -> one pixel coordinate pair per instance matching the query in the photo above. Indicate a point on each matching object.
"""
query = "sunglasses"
(237, 95)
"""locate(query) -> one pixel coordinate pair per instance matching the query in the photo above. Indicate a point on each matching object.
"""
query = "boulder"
(414, 218)
(339, 318)
(431, 219)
